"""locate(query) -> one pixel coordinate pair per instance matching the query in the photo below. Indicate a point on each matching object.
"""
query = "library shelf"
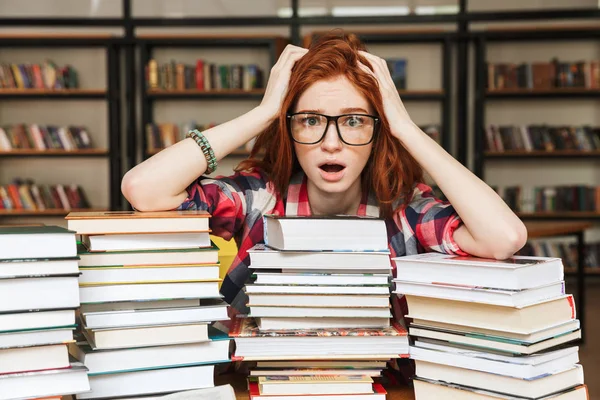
(54, 153)
(537, 154)
(560, 215)
(553, 93)
(52, 212)
(53, 94)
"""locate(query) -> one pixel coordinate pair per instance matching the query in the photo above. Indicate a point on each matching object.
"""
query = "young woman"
(333, 137)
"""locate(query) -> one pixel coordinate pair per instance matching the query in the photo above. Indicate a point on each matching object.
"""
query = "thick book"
(522, 320)
(52, 382)
(427, 389)
(155, 316)
(310, 385)
(271, 278)
(378, 393)
(146, 241)
(42, 337)
(328, 233)
(263, 257)
(299, 323)
(317, 289)
(134, 359)
(149, 382)
(25, 268)
(23, 294)
(515, 273)
(494, 343)
(320, 312)
(29, 242)
(208, 255)
(501, 297)
(148, 274)
(253, 343)
(38, 358)
(524, 367)
(540, 386)
(37, 320)
(149, 291)
(90, 223)
(316, 300)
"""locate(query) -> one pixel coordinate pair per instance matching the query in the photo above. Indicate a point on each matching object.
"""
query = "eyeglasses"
(352, 129)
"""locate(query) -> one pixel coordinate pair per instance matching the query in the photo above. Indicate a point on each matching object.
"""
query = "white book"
(222, 392)
(53, 382)
(301, 385)
(124, 360)
(525, 367)
(501, 297)
(150, 291)
(208, 255)
(334, 233)
(286, 323)
(269, 278)
(36, 338)
(515, 273)
(316, 289)
(39, 267)
(315, 300)
(36, 320)
(138, 274)
(339, 312)
(150, 382)
(44, 293)
(529, 388)
(89, 223)
(122, 338)
(157, 316)
(264, 257)
(146, 241)
(140, 305)
(29, 242)
(23, 359)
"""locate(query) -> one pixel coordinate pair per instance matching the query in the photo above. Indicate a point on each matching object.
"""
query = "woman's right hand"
(279, 79)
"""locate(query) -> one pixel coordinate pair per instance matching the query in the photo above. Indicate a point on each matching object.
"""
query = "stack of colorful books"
(319, 300)
(38, 299)
(485, 329)
(149, 291)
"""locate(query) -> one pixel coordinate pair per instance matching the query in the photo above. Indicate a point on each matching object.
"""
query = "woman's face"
(332, 165)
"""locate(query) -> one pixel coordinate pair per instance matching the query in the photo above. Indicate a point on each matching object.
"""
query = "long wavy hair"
(391, 172)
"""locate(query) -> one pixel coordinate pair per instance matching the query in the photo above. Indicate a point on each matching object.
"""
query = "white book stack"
(149, 289)
(319, 306)
(489, 329)
(38, 299)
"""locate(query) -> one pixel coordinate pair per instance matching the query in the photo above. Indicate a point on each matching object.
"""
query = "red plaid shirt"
(237, 204)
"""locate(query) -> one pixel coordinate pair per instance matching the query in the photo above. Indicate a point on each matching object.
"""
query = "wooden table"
(238, 382)
(537, 230)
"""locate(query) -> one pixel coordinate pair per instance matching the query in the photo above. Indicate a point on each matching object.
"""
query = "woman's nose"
(331, 141)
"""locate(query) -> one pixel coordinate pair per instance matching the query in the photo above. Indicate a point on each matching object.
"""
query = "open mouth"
(332, 168)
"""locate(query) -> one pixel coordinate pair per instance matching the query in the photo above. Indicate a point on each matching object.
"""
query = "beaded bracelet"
(206, 149)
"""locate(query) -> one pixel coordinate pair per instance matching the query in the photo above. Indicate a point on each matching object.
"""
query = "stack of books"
(38, 299)
(485, 329)
(319, 322)
(149, 289)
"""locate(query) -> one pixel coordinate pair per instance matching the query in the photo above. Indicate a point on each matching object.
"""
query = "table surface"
(238, 382)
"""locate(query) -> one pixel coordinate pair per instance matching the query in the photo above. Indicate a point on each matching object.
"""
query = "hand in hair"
(279, 79)
(394, 109)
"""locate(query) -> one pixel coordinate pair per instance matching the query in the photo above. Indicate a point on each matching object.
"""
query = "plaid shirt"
(238, 203)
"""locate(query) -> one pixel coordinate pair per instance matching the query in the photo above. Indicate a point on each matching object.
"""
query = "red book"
(200, 75)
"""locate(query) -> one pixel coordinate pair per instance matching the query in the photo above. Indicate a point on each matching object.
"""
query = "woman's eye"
(354, 122)
(310, 121)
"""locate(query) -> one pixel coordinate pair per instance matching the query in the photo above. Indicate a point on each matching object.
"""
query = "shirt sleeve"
(229, 200)
(430, 221)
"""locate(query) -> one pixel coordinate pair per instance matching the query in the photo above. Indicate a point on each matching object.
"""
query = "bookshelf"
(55, 105)
(210, 48)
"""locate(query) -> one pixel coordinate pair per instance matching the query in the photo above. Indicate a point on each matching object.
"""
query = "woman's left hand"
(394, 109)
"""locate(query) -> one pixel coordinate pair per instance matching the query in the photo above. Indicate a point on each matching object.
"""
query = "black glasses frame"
(333, 118)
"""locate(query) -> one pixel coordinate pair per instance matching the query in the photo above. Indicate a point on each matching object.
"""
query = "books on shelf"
(37, 312)
(566, 250)
(507, 337)
(319, 310)
(397, 68)
(500, 138)
(44, 137)
(204, 76)
(563, 198)
(142, 317)
(38, 76)
(543, 75)
(27, 195)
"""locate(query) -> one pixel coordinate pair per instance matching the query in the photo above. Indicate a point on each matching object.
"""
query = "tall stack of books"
(149, 291)
(486, 329)
(319, 323)
(38, 299)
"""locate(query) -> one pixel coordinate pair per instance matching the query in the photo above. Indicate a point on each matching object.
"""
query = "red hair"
(391, 172)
